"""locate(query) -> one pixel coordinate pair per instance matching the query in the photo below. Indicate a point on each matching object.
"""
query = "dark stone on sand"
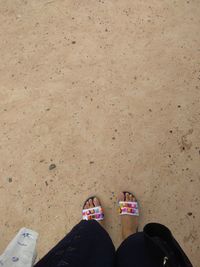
(10, 179)
(52, 166)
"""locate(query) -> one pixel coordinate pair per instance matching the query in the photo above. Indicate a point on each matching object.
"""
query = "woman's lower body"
(89, 245)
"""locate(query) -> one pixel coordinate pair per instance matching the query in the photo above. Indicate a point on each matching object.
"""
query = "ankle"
(126, 234)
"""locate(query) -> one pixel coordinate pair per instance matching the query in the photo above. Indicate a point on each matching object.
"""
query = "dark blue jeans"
(89, 245)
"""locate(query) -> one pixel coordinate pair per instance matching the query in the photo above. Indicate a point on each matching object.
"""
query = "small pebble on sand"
(52, 166)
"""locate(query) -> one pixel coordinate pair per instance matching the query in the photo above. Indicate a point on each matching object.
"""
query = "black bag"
(163, 247)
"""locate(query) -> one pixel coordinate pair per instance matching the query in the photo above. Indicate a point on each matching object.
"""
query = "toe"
(91, 203)
(131, 197)
(96, 202)
(134, 198)
(86, 205)
(127, 197)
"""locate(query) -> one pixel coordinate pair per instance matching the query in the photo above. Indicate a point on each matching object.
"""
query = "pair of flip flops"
(125, 208)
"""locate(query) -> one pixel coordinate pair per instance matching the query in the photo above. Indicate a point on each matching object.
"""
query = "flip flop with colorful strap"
(128, 207)
(95, 213)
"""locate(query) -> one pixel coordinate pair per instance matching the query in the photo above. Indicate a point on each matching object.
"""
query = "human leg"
(154, 247)
(88, 244)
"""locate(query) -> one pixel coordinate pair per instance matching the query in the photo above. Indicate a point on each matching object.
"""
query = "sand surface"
(108, 92)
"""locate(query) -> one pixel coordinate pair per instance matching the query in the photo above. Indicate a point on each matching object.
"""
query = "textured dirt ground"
(109, 92)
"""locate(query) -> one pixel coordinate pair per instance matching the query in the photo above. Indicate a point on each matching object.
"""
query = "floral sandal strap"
(95, 213)
(128, 208)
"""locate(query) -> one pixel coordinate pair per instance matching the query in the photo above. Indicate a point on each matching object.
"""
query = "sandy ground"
(109, 92)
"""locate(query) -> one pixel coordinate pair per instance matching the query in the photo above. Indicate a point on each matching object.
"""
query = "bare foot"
(129, 223)
(91, 203)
